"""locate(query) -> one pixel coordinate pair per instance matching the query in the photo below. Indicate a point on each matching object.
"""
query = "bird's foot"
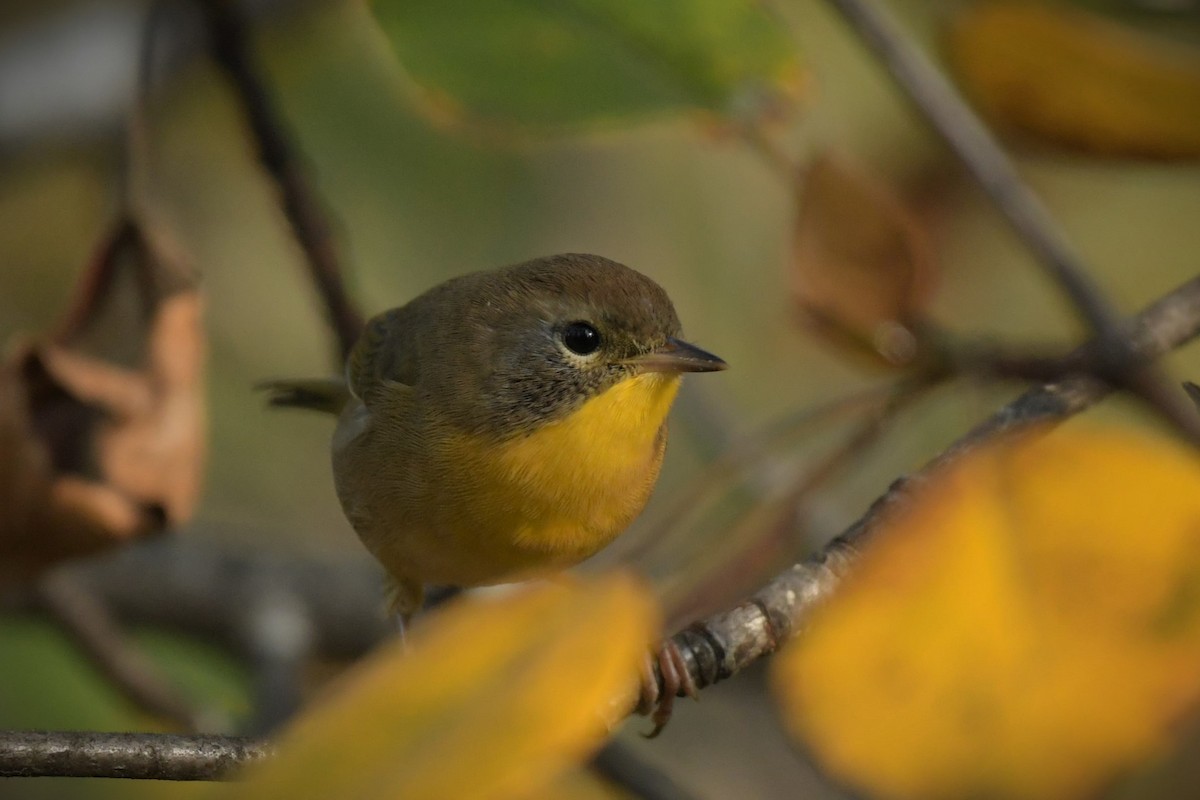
(660, 687)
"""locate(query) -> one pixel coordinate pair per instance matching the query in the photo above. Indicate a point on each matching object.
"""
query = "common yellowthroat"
(504, 423)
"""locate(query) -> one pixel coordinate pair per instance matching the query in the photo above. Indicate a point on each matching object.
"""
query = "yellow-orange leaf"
(493, 699)
(1059, 73)
(1028, 628)
(863, 267)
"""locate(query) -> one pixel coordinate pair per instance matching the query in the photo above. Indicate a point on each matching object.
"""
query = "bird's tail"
(329, 395)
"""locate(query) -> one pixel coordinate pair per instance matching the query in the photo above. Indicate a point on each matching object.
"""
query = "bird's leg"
(399, 622)
(409, 599)
(404, 600)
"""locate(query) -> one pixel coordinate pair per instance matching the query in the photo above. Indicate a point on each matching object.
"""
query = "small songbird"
(505, 423)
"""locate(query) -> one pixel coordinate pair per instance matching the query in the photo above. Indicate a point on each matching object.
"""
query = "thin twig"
(166, 757)
(95, 285)
(279, 637)
(82, 616)
(232, 53)
(730, 468)
(146, 756)
(208, 590)
(776, 543)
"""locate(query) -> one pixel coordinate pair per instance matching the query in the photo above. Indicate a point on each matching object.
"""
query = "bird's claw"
(657, 700)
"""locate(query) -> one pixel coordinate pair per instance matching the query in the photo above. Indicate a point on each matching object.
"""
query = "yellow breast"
(576, 483)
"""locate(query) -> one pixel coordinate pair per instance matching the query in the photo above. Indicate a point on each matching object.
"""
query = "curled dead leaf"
(102, 422)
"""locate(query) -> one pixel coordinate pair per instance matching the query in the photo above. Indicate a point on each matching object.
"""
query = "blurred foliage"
(493, 699)
(863, 268)
(691, 205)
(588, 61)
(45, 685)
(1027, 628)
(1079, 81)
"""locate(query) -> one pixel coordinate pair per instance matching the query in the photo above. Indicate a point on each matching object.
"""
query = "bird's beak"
(677, 356)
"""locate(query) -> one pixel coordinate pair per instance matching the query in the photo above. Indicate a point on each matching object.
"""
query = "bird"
(506, 424)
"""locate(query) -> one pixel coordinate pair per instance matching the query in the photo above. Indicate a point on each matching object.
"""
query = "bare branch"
(168, 757)
(156, 756)
(211, 591)
(232, 52)
(780, 533)
(86, 621)
(204, 590)
(726, 643)
(983, 157)
(978, 150)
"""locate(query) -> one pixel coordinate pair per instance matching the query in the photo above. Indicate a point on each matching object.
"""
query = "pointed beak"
(677, 356)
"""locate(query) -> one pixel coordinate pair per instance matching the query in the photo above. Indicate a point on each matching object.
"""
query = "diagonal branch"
(726, 643)
(232, 53)
(985, 159)
(85, 619)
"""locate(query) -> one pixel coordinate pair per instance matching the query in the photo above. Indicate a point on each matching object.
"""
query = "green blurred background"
(417, 200)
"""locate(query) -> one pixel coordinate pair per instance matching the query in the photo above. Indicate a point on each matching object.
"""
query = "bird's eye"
(581, 338)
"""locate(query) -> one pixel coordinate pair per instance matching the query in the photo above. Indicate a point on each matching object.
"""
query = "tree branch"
(202, 590)
(979, 152)
(147, 756)
(726, 643)
(969, 139)
(84, 618)
(232, 52)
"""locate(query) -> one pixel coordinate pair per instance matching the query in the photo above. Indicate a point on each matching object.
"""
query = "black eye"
(581, 338)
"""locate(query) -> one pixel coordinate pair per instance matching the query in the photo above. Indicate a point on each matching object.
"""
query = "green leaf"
(541, 64)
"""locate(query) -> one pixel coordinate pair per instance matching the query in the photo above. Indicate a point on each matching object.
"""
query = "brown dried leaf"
(102, 424)
(863, 268)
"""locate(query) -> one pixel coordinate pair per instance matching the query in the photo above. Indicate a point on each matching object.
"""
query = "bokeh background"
(416, 200)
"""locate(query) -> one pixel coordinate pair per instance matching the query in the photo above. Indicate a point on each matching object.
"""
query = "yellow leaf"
(492, 700)
(1065, 75)
(862, 266)
(1028, 628)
